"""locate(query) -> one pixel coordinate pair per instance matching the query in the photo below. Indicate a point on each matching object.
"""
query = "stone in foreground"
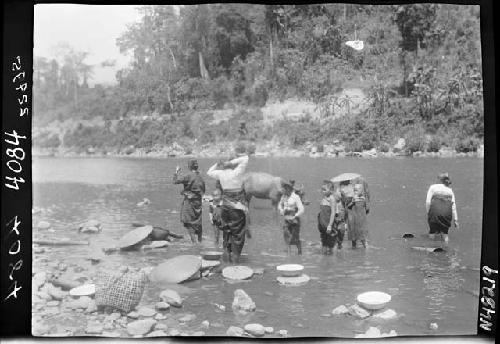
(171, 297)
(140, 327)
(242, 301)
(256, 330)
(234, 331)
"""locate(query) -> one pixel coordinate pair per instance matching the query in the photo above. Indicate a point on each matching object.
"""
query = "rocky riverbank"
(263, 149)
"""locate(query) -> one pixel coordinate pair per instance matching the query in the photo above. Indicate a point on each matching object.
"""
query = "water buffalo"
(266, 186)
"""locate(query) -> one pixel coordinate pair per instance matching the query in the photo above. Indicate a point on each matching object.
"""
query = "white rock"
(359, 312)
(146, 312)
(269, 329)
(91, 230)
(92, 307)
(140, 327)
(205, 324)
(187, 318)
(283, 333)
(433, 326)
(43, 225)
(157, 333)
(234, 331)
(174, 333)
(171, 297)
(162, 306)
(385, 315)
(340, 310)
(256, 330)
(242, 301)
(160, 317)
(133, 315)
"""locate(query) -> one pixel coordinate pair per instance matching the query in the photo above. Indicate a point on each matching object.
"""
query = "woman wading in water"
(356, 201)
(441, 208)
(191, 208)
(233, 210)
(331, 223)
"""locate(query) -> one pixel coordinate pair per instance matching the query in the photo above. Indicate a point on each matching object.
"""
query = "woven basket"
(122, 291)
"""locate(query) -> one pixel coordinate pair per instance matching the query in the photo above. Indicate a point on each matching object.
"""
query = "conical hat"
(176, 270)
(134, 237)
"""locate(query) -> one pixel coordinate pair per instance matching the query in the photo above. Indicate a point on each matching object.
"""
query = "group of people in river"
(344, 207)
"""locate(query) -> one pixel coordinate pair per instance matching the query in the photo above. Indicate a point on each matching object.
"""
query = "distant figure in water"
(291, 207)
(191, 208)
(356, 202)
(331, 223)
(441, 208)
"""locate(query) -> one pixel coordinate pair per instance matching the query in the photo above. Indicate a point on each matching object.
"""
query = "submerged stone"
(256, 330)
(242, 301)
(162, 306)
(340, 310)
(140, 327)
(269, 329)
(171, 297)
(357, 311)
(187, 318)
(146, 312)
(234, 331)
(385, 315)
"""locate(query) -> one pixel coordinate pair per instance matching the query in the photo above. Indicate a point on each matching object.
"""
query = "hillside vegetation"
(420, 72)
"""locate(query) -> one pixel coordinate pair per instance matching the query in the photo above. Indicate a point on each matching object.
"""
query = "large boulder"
(140, 327)
(171, 297)
(243, 302)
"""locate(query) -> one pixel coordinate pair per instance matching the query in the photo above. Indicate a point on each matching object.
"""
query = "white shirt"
(291, 202)
(441, 189)
(230, 178)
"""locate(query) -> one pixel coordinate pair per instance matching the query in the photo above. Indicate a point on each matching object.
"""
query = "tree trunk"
(169, 98)
(271, 55)
(173, 57)
(203, 69)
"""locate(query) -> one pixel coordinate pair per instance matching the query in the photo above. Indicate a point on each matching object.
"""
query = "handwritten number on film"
(15, 249)
(16, 153)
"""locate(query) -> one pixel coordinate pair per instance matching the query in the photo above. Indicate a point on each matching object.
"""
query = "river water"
(425, 287)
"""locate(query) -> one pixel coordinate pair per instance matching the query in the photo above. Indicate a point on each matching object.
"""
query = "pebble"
(171, 297)
(43, 225)
(158, 333)
(269, 329)
(256, 330)
(283, 333)
(205, 324)
(53, 303)
(433, 326)
(234, 331)
(146, 312)
(160, 317)
(385, 315)
(358, 312)
(94, 328)
(242, 301)
(162, 306)
(140, 327)
(160, 326)
(340, 310)
(174, 333)
(187, 318)
(133, 315)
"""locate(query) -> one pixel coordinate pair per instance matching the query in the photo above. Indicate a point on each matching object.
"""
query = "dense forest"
(420, 69)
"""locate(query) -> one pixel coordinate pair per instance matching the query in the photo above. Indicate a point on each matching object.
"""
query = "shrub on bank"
(415, 140)
(434, 144)
(467, 145)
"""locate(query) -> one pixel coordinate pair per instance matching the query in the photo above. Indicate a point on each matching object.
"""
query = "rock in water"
(234, 331)
(94, 328)
(91, 230)
(171, 297)
(359, 312)
(146, 312)
(187, 318)
(242, 301)
(340, 310)
(162, 306)
(140, 327)
(385, 315)
(283, 333)
(43, 225)
(269, 329)
(256, 330)
(293, 281)
(158, 333)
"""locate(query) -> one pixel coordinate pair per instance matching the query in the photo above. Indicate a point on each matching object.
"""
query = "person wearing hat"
(191, 208)
(234, 209)
(291, 207)
(441, 207)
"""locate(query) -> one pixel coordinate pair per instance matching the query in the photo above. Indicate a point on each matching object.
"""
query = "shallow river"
(425, 287)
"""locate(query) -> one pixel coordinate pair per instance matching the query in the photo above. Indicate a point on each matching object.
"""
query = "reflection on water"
(425, 287)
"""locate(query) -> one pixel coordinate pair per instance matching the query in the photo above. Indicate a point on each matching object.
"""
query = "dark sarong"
(440, 215)
(336, 235)
(234, 221)
(356, 220)
(191, 214)
(291, 231)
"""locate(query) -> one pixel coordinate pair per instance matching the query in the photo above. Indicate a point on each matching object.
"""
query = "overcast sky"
(91, 28)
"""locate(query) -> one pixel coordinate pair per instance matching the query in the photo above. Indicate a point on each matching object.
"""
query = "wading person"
(441, 208)
(215, 211)
(191, 208)
(331, 224)
(355, 200)
(233, 209)
(290, 206)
